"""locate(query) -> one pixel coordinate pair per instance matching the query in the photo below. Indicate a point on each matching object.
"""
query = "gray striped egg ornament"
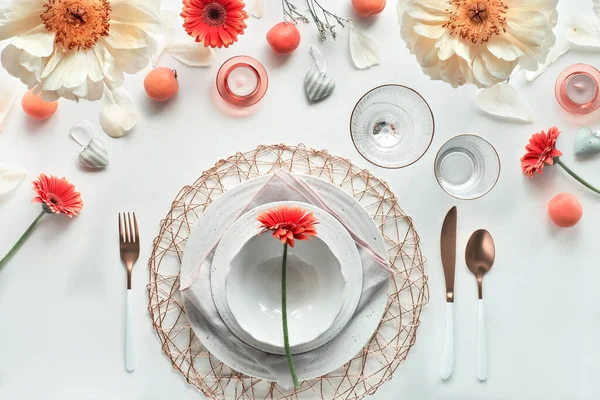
(318, 85)
(94, 155)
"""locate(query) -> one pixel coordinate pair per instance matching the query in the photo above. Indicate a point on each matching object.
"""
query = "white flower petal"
(10, 61)
(142, 16)
(596, 4)
(118, 114)
(20, 16)
(583, 30)
(10, 177)
(8, 95)
(364, 50)
(169, 21)
(258, 9)
(38, 42)
(31, 63)
(70, 72)
(504, 101)
(90, 90)
(126, 37)
(185, 49)
(561, 47)
(130, 61)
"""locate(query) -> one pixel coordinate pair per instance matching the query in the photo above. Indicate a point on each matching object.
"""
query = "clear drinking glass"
(392, 126)
(467, 167)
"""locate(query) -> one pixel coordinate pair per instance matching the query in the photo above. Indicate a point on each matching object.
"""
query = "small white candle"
(242, 81)
(581, 89)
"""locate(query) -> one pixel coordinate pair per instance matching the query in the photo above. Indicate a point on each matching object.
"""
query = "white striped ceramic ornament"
(317, 83)
(93, 152)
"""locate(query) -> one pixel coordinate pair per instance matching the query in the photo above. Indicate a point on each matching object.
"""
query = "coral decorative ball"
(37, 108)
(284, 37)
(161, 84)
(366, 8)
(565, 210)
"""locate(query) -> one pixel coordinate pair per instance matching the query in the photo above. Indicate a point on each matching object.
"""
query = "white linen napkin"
(196, 289)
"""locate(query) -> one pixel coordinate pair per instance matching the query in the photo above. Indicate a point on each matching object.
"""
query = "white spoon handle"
(482, 361)
(448, 355)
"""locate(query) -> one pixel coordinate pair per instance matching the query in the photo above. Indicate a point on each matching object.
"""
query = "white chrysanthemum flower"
(477, 41)
(73, 48)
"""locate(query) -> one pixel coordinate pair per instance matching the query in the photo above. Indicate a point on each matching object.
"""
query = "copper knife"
(448, 247)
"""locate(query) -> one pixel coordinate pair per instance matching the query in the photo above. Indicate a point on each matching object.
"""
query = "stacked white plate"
(329, 316)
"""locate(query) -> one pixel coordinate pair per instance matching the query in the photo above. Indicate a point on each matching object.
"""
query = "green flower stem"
(286, 339)
(574, 175)
(21, 240)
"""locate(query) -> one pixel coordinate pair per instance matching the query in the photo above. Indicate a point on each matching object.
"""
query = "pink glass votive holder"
(242, 81)
(577, 89)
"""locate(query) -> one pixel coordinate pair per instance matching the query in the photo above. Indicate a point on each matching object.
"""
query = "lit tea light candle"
(581, 89)
(242, 81)
(577, 89)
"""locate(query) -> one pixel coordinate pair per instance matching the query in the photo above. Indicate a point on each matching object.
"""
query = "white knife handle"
(129, 346)
(448, 354)
(482, 361)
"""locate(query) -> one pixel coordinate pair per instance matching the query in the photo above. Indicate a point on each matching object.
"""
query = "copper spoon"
(480, 255)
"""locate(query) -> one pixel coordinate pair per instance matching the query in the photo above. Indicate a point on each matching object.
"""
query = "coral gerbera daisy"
(541, 150)
(58, 196)
(288, 224)
(216, 23)
(75, 48)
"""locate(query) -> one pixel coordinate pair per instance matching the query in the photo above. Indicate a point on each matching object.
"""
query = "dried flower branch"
(290, 12)
(325, 20)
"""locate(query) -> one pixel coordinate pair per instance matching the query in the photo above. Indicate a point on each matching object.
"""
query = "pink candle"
(581, 88)
(577, 89)
(242, 81)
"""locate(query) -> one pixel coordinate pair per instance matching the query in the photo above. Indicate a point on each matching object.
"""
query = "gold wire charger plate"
(388, 347)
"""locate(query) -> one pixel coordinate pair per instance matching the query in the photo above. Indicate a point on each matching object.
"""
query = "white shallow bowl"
(315, 289)
(324, 283)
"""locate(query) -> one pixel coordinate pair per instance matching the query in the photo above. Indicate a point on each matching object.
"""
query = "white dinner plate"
(328, 294)
(329, 357)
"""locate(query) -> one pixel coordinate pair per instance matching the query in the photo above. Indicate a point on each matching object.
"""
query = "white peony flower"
(73, 48)
(477, 41)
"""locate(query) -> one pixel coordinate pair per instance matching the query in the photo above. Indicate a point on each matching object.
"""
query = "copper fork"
(129, 244)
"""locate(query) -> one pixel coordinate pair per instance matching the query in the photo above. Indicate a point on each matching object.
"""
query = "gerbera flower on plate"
(73, 48)
(541, 151)
(58, 196)
(216, 23)
(477, 41)
(288, 224)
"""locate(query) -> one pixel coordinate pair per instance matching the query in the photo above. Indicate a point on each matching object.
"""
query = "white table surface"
(62, 297)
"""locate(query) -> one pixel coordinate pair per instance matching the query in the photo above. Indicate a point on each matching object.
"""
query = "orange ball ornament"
(161, 84)
(36, 107)
(565, 210)
(366, 8)
(284, 37)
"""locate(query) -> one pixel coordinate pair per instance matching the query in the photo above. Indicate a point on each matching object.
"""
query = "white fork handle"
(482, 361)
(448, 355)
(129, 346)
